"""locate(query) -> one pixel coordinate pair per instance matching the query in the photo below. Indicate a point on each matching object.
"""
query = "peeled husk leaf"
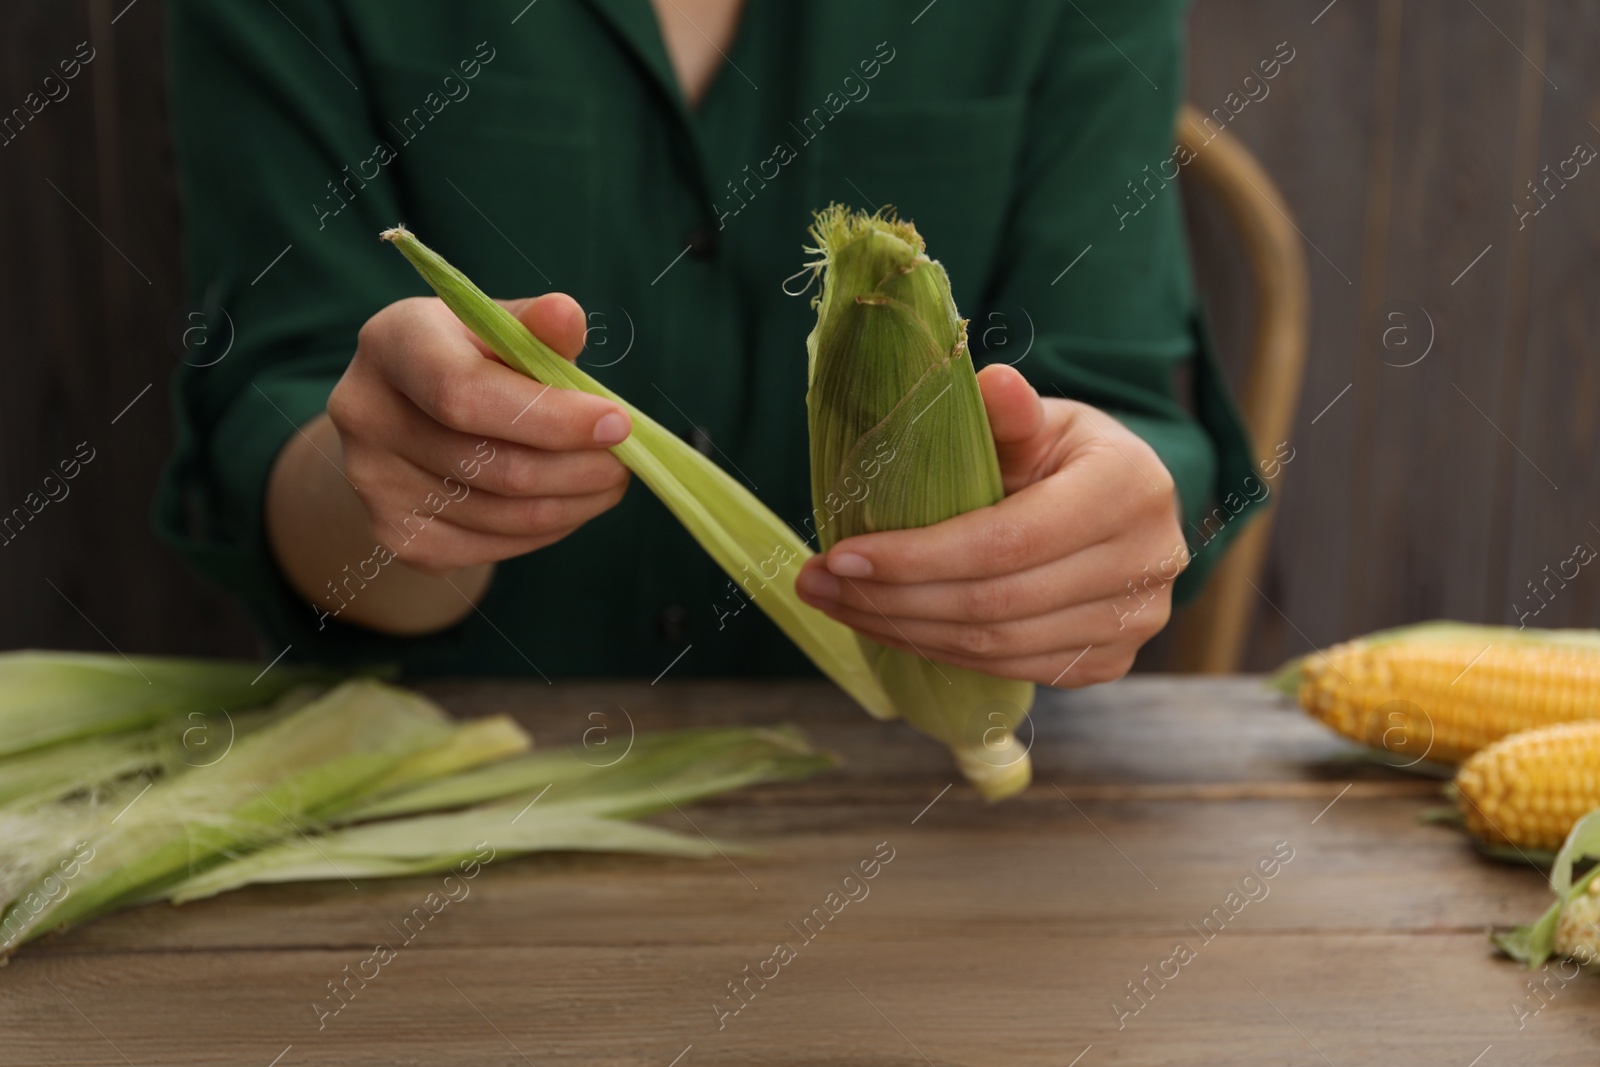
(758, 550)
(471, 744)
(272, 784)
(194, 804)
(578, 807)
(49, 697)
(650, 761)
(430, 843)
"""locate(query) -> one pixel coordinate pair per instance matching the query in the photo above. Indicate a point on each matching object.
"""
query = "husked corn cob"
(1529, 789)
(1442, 691)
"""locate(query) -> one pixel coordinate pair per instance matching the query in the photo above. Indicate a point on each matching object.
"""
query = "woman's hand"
(423, 399)
(1059, 583)
(448, 459)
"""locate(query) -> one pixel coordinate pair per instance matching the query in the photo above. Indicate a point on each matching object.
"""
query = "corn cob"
(1442, 691)
(900, 439)
(1531, 788)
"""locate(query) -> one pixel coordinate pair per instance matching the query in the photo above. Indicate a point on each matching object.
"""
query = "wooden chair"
(1209, 634)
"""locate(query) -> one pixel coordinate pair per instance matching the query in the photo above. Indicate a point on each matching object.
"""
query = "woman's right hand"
(424, 408)
(435, 451)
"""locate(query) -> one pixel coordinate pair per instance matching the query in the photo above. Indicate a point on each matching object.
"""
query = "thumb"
(1016, 419)
(554, 318)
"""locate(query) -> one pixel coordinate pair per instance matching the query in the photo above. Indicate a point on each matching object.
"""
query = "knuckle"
(1145, 625)
(542, 514)
(519, 476)
(418, 555)
(1007, 543)
(452, 400)
(1111, 669)
(361, 468)
(390, 322)
(1163, 488)
(343, 407)
(373, 332)
(550, 514)
(977, 640)
(986, 601)
(410, 311)
(558, 420)
(1160, 614)
(616, 476)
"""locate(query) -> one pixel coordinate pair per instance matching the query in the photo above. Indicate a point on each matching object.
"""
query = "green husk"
(899, 439)
(96, 765)
(430, 843)
(652, 759)
(758, 550)
(470, 745)
(49, 697)
(272, 784)
(1535, 943)
(56, 796)
(102, 823)
(35, 778)
(578, 808)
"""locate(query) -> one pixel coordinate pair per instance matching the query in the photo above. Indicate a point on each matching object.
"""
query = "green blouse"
(546, 146)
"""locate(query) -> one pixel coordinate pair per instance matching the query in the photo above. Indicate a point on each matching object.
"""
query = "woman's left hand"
(1059, 583)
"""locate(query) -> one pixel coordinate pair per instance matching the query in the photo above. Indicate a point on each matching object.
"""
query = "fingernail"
(611, 429)
(850, 565)
(817, 582)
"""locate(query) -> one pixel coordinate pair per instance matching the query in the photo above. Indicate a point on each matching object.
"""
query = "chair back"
(1209, 634)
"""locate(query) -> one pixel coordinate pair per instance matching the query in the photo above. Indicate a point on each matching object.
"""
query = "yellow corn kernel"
(1530, 788)
(1443, 691)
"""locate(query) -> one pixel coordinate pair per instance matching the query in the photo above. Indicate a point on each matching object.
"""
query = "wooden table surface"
(995, 935)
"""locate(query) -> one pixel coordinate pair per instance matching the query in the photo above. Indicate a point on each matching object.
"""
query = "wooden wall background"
(1401, 134)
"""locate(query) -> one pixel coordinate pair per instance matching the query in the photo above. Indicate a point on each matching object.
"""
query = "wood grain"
(1559, 415)
(1313, 133)
(995, 934)
(1399, 135)
(90, 292)
(1474, 122)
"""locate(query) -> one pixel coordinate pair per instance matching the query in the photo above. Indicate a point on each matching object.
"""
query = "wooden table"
(995, 935)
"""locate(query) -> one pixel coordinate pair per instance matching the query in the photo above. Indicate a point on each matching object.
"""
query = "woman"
(374, 487)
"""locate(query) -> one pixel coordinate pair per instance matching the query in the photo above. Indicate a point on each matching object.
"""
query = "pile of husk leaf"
(129, 780)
